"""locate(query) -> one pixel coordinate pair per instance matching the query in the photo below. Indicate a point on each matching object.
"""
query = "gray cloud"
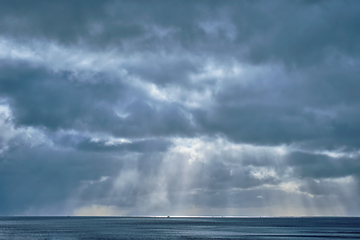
(40, 177)
(236, 107)
(320, 166)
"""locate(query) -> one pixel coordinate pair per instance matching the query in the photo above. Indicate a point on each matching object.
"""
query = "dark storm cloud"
(41, 177)
(107, 101)
(177, 71)
(318, 105)
(98, 23)
(296, 32)
(42, 98)
(321, 166)
(62, 21)
(266, 31)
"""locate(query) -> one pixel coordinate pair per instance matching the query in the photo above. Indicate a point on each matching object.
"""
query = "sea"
(179, 228)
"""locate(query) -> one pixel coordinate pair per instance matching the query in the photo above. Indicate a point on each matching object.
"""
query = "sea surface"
(178, 228)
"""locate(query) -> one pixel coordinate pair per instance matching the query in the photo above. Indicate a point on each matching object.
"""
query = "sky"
(156, 108)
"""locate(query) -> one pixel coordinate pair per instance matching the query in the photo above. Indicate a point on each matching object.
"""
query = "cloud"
(320, 166)
(232, 107)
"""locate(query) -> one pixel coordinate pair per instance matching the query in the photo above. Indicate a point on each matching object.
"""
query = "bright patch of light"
(262, 172)
(215, 70)
(203, 149)
(99, 210)
(28, 135)
(222, 24)
(339, 154)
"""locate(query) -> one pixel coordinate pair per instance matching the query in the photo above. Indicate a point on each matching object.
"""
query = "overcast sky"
(180, 108)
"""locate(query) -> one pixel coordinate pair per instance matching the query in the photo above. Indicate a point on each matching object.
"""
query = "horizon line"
(189, 216)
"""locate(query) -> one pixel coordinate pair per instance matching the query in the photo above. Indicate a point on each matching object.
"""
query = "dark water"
(178, 228)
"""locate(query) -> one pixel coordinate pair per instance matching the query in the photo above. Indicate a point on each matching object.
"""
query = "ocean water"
(178, 228)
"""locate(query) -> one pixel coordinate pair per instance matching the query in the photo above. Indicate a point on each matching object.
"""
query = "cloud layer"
(179, 108)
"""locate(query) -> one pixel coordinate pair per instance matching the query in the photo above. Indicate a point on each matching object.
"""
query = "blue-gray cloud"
(182, 107)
